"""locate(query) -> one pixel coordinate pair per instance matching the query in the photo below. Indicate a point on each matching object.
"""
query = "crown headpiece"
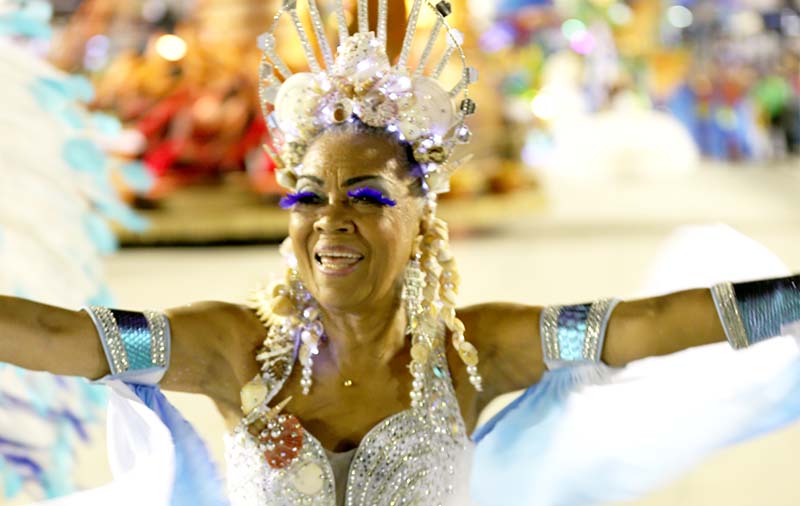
(361, 82)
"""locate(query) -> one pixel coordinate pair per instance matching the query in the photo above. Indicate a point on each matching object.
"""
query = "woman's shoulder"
(213, 339)
(218, 322)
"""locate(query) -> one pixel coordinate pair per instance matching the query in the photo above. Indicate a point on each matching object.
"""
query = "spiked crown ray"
(359, 81)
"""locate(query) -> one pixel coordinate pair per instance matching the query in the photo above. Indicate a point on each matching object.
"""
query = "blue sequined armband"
(753, 311)
(575, 333)
(136, 344)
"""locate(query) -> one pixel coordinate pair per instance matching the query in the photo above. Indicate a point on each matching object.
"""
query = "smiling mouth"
(337, 262)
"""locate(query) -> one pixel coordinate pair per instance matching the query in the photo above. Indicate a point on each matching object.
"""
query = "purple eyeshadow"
(371, 193)
(291, 199)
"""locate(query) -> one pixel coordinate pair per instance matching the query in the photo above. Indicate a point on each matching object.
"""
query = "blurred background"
(602, 125)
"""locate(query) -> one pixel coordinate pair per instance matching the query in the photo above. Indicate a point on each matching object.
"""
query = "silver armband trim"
(111, 338)
(728, 310)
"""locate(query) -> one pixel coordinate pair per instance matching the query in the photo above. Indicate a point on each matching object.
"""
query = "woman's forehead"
(344, 157)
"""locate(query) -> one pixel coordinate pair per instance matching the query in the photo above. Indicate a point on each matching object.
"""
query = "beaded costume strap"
(137, 345)
(575, 333)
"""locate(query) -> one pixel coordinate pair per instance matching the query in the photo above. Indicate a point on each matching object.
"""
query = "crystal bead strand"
(363, 16)
(291, 7)
(454, 39)
(383, 16)
(309, 327)
(426, 53)
(319, 32)
(268, 41)
(411, 28)
(420, 350)
(341, 21)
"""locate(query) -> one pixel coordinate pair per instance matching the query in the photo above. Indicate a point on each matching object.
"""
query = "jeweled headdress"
(361, 83)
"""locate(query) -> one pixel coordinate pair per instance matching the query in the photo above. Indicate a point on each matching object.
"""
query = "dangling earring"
(439, 266)
(413, 285)
(309, 330)
(290, 310)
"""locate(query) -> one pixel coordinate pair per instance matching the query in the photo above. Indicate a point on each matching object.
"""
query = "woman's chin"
(339, 289)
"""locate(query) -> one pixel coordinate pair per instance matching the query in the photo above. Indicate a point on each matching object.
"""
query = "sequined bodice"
(416, 456)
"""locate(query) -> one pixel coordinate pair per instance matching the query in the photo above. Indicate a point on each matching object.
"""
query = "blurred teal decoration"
(51, 94)
(84, 155)
(18, 24)
(12, 481)
(100, 233)
(39, 10)
(80, 88)
(122, 214)
(137, 177)
(106, 124)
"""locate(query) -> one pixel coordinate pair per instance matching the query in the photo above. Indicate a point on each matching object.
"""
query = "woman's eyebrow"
(359, 179)
(313, 179)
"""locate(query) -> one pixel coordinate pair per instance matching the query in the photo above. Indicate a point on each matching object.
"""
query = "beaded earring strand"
(430, 291)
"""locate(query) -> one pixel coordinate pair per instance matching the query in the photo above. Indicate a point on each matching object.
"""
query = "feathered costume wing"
(55, 197)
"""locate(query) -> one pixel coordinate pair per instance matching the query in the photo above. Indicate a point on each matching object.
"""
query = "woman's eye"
(309, 199)
(371, 196)
(302, 198)
(368, 199)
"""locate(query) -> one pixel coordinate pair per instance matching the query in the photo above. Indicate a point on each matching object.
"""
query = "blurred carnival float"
(645, 87)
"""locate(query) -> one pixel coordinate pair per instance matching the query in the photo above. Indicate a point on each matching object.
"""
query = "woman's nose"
(334, 219)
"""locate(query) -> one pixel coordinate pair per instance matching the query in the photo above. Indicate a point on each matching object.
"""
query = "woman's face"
(355, 219)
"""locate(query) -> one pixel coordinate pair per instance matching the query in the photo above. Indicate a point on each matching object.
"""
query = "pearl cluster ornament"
(281, 440)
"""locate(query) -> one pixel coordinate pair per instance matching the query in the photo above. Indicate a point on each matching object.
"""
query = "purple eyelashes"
(364, 194)
(371, 195)
(291, 199)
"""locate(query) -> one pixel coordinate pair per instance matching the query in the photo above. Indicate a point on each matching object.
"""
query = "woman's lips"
(337, 261)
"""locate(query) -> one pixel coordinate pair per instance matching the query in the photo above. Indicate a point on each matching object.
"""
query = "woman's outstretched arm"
(508, 336)
(207, 338)
(47, 338)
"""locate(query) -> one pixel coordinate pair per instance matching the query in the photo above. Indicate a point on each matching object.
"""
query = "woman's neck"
(373, 335)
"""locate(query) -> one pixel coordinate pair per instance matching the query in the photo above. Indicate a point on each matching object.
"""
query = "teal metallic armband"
(575, 334)
(753, 311)
(136, 345)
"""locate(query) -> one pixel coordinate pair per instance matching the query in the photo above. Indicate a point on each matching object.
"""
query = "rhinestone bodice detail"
(410, 458)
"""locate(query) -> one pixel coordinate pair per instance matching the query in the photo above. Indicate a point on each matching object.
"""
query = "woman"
(379, 409)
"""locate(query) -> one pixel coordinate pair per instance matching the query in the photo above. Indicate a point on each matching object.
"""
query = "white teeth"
(339, 255)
